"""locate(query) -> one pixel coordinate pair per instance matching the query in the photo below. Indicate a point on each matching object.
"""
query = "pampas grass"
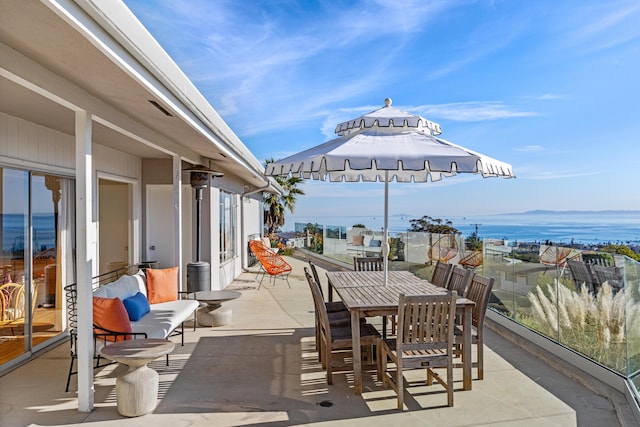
(594, 325)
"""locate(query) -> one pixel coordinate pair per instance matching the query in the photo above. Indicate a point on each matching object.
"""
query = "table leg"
(466, 349)
(137, 391)
(213, 315)
(357, 357)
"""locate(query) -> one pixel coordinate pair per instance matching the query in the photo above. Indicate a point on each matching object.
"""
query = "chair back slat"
(314, 272)
(441, 274)
(614, 276)
(318, 302)
(582, 274)
(425, 322)
(479, 292)
(458, 280)
(368, 264)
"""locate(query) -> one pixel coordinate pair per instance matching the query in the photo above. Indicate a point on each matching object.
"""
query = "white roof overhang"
(57, 57)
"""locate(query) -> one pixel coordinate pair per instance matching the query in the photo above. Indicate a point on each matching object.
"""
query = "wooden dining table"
(365, 295)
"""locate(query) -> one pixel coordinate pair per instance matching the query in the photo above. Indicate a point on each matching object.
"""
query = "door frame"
(134, 233)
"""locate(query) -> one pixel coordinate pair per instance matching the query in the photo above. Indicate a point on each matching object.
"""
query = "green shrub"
(594, 325)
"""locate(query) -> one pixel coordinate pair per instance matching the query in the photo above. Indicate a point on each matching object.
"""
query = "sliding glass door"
(36, 262)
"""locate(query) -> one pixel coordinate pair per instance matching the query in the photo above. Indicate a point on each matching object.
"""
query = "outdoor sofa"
(131, 303)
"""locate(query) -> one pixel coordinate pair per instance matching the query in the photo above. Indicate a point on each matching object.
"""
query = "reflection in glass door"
(36, 236)
(14, 209)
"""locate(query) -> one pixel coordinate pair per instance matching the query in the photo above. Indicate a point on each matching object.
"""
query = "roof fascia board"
(133, 48)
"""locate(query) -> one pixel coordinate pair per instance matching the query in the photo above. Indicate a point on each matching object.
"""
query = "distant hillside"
(551, 212)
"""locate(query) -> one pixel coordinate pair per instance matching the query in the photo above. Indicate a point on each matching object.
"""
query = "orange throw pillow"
(110, 314)
(162, 285)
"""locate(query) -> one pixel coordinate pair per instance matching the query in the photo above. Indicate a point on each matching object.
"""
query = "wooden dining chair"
(424, 341)
(614, 276)
(336, 319)
(368, 264)
(374, 264)
(333, 339)
(441, 274)
(479, 292)
(331, 306)
(582, 274)
(459, 279)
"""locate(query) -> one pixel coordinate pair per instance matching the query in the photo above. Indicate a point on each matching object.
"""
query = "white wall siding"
(117, 163)
(31, 144)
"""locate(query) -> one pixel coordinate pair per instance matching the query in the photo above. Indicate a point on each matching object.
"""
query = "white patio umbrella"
(385, 145)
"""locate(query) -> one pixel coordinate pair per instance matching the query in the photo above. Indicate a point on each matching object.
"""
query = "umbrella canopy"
(385, 145)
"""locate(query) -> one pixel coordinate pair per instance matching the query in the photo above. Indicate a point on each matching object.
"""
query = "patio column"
(85, 253)
(177, 216)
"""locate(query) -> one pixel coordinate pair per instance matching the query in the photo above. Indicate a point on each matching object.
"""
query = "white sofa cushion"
(164, 317)
(123, 288)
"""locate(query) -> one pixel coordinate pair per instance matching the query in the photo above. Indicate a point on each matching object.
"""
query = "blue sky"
(551, 87)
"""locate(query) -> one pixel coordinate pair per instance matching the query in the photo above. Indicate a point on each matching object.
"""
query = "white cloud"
(472, 111)
(601, 26)
(549, 96)
(282, 63)
(529, 148)
(556, 174)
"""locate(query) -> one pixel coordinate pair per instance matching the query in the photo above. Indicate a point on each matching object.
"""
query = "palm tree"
(275, 205)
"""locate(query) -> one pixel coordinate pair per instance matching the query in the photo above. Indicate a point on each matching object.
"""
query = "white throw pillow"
(123, 288)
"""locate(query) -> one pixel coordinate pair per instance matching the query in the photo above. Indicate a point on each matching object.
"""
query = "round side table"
(137, 389)
(213, 314)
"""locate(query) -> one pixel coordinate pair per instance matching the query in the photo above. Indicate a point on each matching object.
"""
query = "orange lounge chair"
(270, 262)
(472, 260)
(444, 249)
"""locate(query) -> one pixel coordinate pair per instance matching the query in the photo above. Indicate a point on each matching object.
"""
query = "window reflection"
(227, 226)
(36, 237)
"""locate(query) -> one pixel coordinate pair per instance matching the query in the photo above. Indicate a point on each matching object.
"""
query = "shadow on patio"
(263, 370)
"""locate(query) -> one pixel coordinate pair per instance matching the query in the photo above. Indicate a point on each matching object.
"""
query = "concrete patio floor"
(262, 370)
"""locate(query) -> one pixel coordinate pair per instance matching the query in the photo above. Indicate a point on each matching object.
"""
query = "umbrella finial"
(387, 102)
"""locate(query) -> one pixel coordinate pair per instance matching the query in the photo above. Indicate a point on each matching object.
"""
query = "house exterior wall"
(85, 72)
(37, 147)
(253, 219)
(26, 144)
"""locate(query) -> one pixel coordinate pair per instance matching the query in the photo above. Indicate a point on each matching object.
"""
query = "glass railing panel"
(334, 242)
(416, 247)
(541, 287)
(581, 297)
(631, 286)
(592, 305)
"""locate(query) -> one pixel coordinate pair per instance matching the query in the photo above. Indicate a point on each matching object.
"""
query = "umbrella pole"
(385, 240)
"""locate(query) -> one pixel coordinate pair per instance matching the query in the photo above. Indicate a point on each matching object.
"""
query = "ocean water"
(557, 227)
(14, 231)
